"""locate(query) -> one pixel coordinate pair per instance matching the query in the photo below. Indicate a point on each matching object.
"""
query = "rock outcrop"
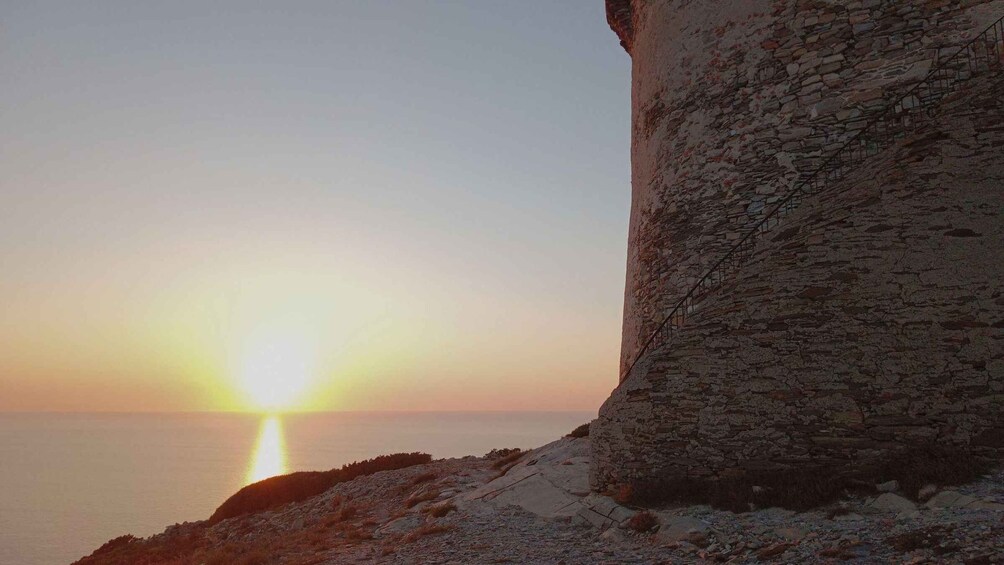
(539, 511)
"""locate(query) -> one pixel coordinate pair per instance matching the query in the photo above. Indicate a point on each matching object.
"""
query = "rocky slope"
(536, 508)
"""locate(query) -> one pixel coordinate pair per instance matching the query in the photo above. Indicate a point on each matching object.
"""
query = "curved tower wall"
(812, 351)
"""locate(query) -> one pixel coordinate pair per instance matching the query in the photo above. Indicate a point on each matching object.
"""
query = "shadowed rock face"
(870, 319)
(619, 18)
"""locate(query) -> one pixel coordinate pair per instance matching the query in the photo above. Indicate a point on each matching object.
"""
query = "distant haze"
(409, 204)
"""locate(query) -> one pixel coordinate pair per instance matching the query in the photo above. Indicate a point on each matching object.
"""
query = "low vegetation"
(420, 497)
(440, 510)
(424, 478)
(234, 556)
(346, 512)
(643, 522)
(624, 494)
(278, 491)
(425, 530)
(581, 431)
(503, 464)
(128, 550)
(508, 459)
(115, 544)
(499, 453)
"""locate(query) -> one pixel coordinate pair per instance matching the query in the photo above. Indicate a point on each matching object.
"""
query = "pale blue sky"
(466, 161)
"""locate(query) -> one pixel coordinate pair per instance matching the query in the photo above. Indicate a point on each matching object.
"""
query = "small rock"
(893, 502)
(614, 534)
(950, 499)
(926, 492)
(681, 528)
(773, 550)
(688, 547)
(888, 486)
(790, 533)
(777, 513)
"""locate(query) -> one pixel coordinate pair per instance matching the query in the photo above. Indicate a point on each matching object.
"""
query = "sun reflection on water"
(269, 458)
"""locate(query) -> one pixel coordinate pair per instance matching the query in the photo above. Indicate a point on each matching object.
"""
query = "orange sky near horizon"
(413, 343)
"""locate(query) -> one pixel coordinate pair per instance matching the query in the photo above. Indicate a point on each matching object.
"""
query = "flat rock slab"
(533, 492)
(553, 482)
(601, 512)
(565, 463)
(400, 525)
(950, 499)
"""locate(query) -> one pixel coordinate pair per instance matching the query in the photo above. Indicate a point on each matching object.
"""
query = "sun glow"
(269, 458)
(277, 373)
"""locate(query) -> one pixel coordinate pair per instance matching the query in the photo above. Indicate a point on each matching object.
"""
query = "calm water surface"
(70, 482)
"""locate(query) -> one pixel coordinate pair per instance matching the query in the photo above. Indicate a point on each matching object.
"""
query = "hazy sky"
(408, 204)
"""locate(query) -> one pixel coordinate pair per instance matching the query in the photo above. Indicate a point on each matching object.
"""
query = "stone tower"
(816, 245)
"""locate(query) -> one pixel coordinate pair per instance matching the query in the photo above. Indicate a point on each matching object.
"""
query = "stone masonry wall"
(732, 100)
(872, 318)
(871, 321)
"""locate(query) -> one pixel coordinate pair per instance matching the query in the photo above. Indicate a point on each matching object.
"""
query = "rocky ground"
(537, 509)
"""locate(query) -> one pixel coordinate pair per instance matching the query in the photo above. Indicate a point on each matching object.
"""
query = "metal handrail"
(942, 80)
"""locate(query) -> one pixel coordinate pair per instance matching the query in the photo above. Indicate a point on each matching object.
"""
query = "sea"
(70, 482)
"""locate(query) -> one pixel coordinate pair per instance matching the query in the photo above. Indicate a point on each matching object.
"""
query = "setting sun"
(277, 373)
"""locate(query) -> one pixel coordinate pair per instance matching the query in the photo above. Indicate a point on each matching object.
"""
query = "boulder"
(675, 529)
(893, 503)
(889, 486)
(926, 492)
